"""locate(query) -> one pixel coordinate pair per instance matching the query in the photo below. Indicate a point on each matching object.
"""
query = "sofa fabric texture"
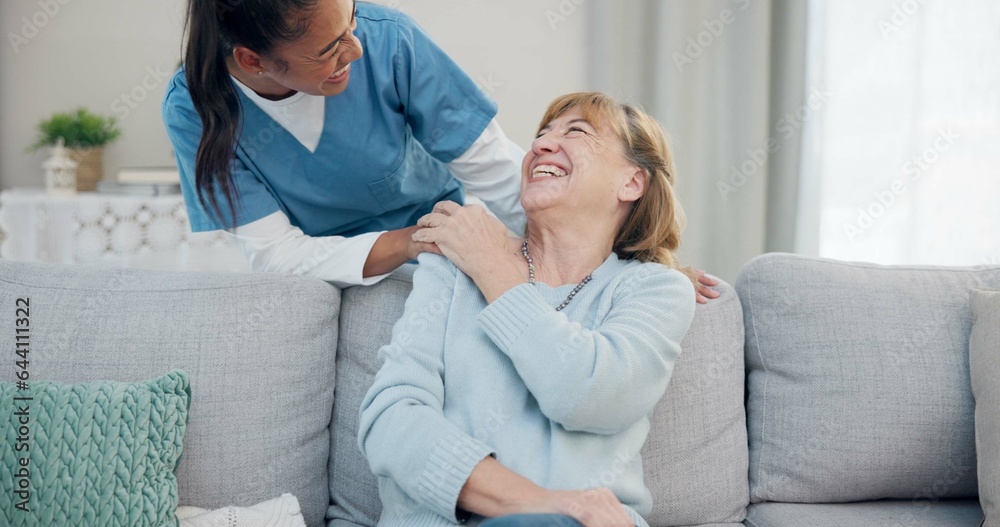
(858, 380)
(366, 319)
(700, 421)
(984, 364)
(885, 513)
(258, 350)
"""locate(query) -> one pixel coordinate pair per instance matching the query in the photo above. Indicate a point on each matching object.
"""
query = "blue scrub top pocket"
(417, 180)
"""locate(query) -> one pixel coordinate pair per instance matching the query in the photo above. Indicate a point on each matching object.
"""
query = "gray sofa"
(816, 393)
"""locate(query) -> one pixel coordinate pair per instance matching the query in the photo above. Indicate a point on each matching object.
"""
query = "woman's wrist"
(494, 490)
(501, 275)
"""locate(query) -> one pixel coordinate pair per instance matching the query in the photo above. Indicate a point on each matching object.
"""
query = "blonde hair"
(652, 230)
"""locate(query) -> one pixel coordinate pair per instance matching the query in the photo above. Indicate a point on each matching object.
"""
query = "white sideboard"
(93, 228)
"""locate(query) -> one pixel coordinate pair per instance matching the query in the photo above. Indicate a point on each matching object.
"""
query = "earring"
(261, 72)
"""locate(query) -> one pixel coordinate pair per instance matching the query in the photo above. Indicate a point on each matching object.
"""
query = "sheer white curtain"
(726, 79)
(861, 130)
(903, 163)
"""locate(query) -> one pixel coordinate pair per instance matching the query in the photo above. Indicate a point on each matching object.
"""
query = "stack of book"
(147, 181)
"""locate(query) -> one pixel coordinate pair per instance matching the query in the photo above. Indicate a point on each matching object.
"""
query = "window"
(904, 159)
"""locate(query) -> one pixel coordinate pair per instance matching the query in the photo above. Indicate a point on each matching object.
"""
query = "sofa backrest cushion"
(984, 361)
(258, 350)
(695, 459)
(367, 315)
(858, 379)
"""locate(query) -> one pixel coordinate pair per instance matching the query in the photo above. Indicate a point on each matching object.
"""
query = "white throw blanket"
(280, 512)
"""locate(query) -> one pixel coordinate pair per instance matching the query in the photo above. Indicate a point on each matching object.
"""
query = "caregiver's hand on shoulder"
(593, 507)
(414, 248)
(705, 281)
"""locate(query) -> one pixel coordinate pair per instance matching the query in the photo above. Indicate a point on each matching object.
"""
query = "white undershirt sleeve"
(273, 245)
(491, 170)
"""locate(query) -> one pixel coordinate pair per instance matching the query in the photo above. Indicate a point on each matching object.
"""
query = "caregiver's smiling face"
(319, 62)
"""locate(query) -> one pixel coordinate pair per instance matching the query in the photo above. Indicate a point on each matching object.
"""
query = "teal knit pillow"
(97, 453)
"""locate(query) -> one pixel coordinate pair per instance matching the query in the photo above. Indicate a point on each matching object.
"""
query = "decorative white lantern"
(60, 172)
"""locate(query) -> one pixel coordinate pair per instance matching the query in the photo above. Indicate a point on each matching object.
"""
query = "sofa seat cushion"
(695, 458)
(858, 379)
(884, 513)
(258, 350)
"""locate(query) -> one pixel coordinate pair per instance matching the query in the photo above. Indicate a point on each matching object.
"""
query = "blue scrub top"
(408, 109)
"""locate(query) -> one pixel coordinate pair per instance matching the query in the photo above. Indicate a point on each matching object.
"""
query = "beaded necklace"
(531, 277)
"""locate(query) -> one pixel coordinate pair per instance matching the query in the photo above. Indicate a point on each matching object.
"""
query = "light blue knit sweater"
(562, 398)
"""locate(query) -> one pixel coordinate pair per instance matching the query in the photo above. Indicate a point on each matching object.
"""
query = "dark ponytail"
(213, 28)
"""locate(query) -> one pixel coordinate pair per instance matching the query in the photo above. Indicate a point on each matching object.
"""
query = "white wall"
(91, 52)
(88, 53)
(512, 50)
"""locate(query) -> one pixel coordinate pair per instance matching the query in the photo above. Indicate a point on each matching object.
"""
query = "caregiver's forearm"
(391, 250)
(495, 490)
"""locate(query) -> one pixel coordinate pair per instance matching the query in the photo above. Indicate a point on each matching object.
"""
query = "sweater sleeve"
(602, 379)
(402, 430)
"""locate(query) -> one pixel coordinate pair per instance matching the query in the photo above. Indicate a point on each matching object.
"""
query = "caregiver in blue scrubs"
(317, 133)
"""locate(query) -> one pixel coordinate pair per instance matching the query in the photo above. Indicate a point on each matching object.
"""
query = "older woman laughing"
(519, 382)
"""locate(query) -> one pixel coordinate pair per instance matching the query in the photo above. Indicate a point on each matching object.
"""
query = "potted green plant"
(85, 134)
